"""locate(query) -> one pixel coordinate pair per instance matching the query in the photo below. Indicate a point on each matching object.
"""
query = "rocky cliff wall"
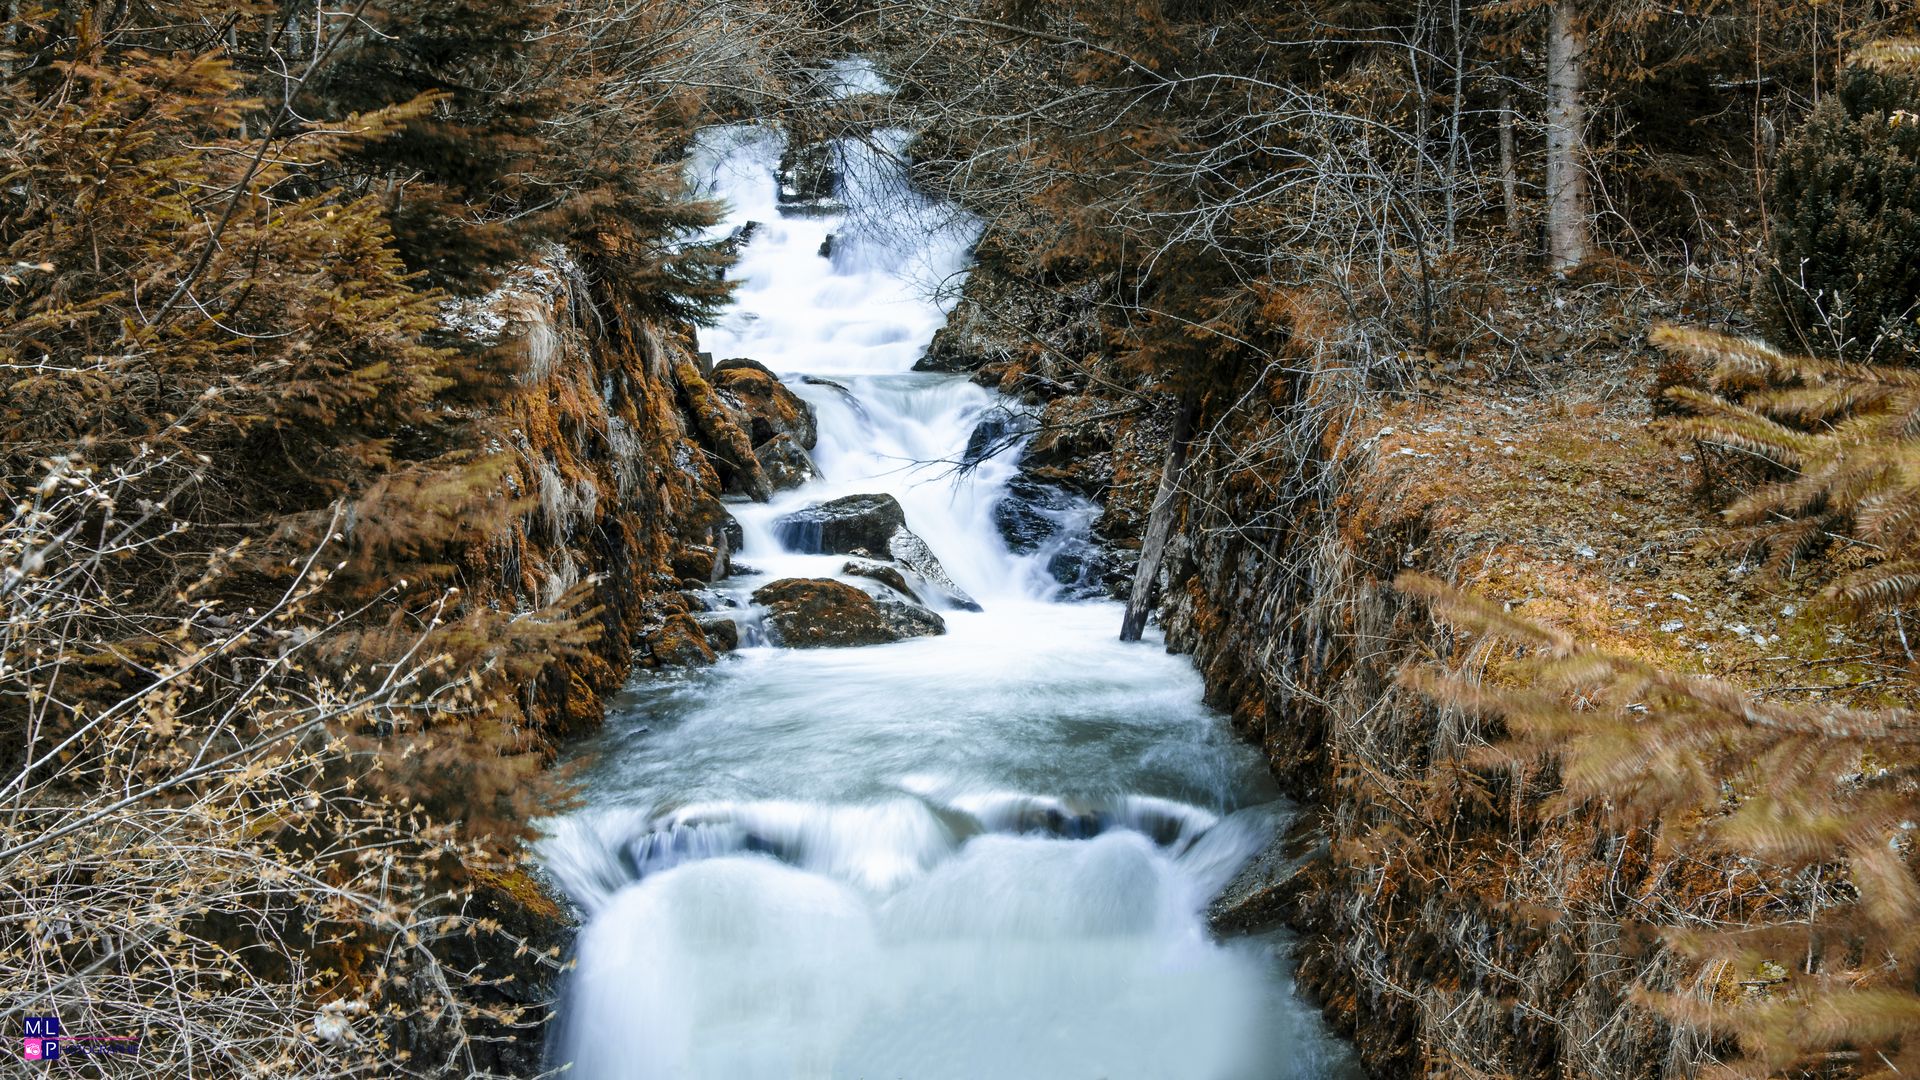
(619, 453)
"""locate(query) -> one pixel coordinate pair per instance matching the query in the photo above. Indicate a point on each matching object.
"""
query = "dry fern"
(1784, 787)
(1841, 442)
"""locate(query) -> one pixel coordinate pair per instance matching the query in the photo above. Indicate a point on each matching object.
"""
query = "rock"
(826, 247)
(872, 526)
(1074, 447)
(845, 526)
(996, 431)
(1032, 513)
(912, 552)
(971, 339)
(909, 620)
(769, 407)
(808, 177)
(722, 632)
(680, 642)
(809, 613)
(533, 922)
(695, 562)
(1269, 887)
(884, 573)
(721, 431)
(785, 464)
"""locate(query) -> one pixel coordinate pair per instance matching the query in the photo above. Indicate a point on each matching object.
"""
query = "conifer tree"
(1846, 237)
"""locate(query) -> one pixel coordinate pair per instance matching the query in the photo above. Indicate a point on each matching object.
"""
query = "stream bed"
(984, 854)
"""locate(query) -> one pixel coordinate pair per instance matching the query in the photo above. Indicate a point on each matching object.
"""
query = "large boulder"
(853, 525)
(769, 407)
(811, 613)
(872, 526)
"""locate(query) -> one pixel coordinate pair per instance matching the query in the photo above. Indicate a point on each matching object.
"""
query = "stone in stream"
(996, 431)
(1037, 517)
(885, 573)
(873, 526)
(722, 632)
(808, 175)
(812, 613)
(680, 642)
(843, 526)
(787, 465)
(1031, 513)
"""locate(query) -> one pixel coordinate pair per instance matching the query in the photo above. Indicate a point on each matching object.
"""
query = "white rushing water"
(979, 855)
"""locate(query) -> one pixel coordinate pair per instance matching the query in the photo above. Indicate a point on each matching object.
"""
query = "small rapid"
(980, 854)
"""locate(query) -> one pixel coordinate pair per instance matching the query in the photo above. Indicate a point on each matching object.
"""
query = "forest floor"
(1554, 487)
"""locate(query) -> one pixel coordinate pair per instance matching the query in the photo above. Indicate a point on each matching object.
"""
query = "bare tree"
(1569, 213)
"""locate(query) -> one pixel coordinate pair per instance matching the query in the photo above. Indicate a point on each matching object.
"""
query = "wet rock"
(998, 430)
(786, 465)
(680, 642)
(872, 526)
(1031, 513)
(809, 174)
(1074, 447)
(1040, 518)
(534, 925)
(912, 552)
(844, 526)
(1268, 889)
(885, 574)
(722, 632)
(1088, 571)
(908, 620)
(770, 409)
(722, 433)
(808, 613)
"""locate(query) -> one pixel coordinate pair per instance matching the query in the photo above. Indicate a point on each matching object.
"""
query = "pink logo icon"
(33, 1049)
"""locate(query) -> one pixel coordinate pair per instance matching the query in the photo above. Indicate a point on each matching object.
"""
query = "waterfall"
(982, 854)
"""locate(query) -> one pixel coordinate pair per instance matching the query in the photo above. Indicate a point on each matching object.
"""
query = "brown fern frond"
(1775, 786)
(1877, 587)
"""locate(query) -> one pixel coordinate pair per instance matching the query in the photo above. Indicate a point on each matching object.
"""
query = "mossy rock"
(812, 613)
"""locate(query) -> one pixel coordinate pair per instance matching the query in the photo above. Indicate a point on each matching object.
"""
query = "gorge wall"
(618, 452)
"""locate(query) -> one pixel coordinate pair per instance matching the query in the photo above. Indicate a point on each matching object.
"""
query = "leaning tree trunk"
(1159, 528)
(1569, 218)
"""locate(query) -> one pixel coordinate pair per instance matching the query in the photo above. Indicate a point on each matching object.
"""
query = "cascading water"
(983, 854)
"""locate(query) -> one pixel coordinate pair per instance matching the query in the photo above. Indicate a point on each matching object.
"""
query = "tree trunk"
(1509, 168)
(1569, 221)
(1159, 528)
